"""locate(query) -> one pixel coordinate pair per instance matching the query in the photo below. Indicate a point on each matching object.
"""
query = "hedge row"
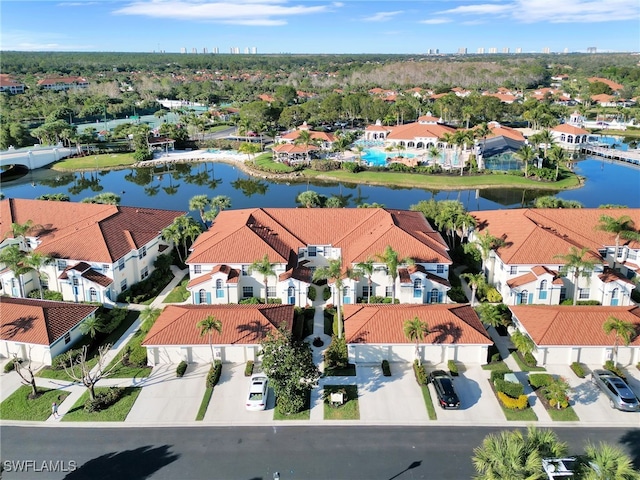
(420, 372)
(214, 374)
(512, 389)
(519, 403)
(537, 380)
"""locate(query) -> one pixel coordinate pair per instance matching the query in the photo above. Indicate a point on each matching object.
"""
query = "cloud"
(76, 4)
(552, 11)
(238, 12)
(24, 40)
(382, 16)
(435, 21)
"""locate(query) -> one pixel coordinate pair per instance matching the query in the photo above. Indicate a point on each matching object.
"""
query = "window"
(247, 292)
(144, 273)
(61, 264)
(388, 291)
(75, 282)
(346, 291)
(311, 251)
(417, 288)
(197, 269)
(542, 293)
(435, 296)
(245, 270)
(439, 268)
(563, 293)
(105, 267)
(513, 270)
(620, 252)
(143, 252)
(614, 294)
(633, 254)
(93, 295)
(524, 297)
(121, 264)
(67, 338)
(202, 296)
(123, 285)
(218, 283)
(271, 291)
(584, 294)
(366, 291)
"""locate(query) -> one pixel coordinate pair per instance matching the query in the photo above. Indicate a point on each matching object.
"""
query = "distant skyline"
(301, 26)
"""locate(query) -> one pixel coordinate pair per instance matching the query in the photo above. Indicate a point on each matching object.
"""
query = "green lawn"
(348, 371)
(426, 395)
(305, 414)
(95, 162)
(205, 403)
(349, 410)
(526, 415)
(523, 366)
(179, 294)
(18, 406)
(563, 415)
(125, 371)
(496, 366)
(115, 413)
(265, 162)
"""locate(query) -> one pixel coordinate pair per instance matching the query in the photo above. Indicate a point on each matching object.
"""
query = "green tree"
(35, 261)
(200, 203)
(366, 269)
(621, 227)
(547, 139)
(305, 139)
(476, 281)
(485, 243)
(265, 268)
(173, 234)
(576, 262)
(149, 315)
(291, 370)
(13, 258)
(207, 326)
(557, 155)
(333, 271)
(416, 330)
(393, 261)
(309, 199)
(526, 154)
(92, 326)
(515, 456)
(557, 391)
(624, 331)
(523, 342)
(606, 462)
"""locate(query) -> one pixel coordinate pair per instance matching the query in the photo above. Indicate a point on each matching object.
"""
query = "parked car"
(443, 385)
(615, 388)
(559, 468)
(258, 392)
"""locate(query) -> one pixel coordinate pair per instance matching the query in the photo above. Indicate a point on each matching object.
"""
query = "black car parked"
(443, 384)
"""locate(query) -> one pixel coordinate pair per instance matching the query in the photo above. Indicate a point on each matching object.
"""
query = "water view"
(172, 186)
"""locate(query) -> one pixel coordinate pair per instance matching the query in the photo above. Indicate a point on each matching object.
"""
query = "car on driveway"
(446, 392)
(258, 392)
(615, 388)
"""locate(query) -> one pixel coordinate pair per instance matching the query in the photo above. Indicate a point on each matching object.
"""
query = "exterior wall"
(596, 356)
(174, 354)
(429, 354)
(38, 353)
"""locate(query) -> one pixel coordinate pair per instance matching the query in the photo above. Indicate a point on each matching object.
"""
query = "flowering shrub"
(519, 403)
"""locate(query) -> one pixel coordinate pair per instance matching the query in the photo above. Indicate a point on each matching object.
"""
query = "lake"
(171, 188)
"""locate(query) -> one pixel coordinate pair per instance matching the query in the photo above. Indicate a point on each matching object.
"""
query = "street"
(394, 452)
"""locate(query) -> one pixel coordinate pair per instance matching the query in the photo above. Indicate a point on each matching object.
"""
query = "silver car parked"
(615, 388)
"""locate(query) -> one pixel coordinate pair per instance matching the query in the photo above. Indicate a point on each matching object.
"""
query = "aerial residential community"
(219, 255)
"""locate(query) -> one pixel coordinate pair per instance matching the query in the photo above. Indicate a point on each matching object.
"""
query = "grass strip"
(95, 162)
(115, 413)
(179, 294)
(349, 410)
(426, 395)
(204, 404)
(18, 406)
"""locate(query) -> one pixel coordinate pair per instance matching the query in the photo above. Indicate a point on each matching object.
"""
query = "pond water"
(171, 188)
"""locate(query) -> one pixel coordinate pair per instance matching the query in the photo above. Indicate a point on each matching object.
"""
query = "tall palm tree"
(485, 242)
(35, 261)
(13, 258)
(172, 234)
(523, 342)
(92, 326)
(546, 138)
(476, 281)
(333, 271)
(606, 462)
(483, 131)
(366, 268)
(265, 268)
(462, 138)
(149, 315)
(557, 155)
(624, 330)
(207, 326)
(305, 139)
(393, 261)
(622, 227)
(576, 263)
(200, 203)
(416, 330)
(526, 154)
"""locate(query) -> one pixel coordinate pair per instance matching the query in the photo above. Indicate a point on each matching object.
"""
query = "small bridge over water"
(34, 157)
(628, 156)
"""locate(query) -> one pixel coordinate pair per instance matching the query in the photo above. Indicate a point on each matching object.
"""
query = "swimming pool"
(378, 158)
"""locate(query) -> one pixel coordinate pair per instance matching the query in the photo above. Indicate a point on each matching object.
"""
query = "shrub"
(612, 367)
(324, 165)
(352, 167)
(519, 403)
(453, 367)
(537, 380)
(9, 366)
(248, 369)
(514, 390)
(250, 301)
(65, 359)
(137, 357)
(493, 296)
(182, 367)
(336, 355)
(104, 400)
(214, 374)
(46, 295)
(326, 293)
(312, 293)
(569, 301)
(113, 319)
(457, 295)
(420, 372)
(563, 403)
(496, 357)
(498, 375)
(529, 359)
(578, 369)
(378, 299)
(386, 370)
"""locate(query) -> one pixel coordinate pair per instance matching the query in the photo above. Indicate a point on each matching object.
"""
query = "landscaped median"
(421, 378)
(20, 406)
(112, 404)
(510, 394)
(341, 402)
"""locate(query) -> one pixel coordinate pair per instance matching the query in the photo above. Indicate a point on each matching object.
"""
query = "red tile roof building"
(9, 84)
(63, 83)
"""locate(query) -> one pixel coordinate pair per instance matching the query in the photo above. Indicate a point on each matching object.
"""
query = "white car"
(258, 392)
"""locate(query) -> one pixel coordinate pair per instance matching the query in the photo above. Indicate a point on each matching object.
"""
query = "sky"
(333, 27)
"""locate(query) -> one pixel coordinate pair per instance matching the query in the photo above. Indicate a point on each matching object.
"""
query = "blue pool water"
(378, 158)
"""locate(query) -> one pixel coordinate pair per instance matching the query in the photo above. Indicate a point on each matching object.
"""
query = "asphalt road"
(253, 453)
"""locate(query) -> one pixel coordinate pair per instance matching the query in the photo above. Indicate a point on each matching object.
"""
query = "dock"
(628, 156)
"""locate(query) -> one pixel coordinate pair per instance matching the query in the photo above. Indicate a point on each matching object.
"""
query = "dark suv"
(443, 384)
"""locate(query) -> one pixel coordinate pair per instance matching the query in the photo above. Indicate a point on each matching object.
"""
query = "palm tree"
(13, 258)
(200, 203)
(35, 261)
(523, 342)
(485, 243)
(526, 154)
(624, 330)
(476, 281)
(265, 268)
(366, 268)
(172, 234)
(149, 315)
(207, 326)
(392, 260)
(512, 455)
(92, 326)
(309, 199)
(483, 131)
(305, 139)
(547, 139)
(433, 152)
(416, 330)
(606, 462)
(622, 227)
(557, 155)
(461, 139)
(576, 263)
(557, 391)
(333, 271)
(221, 202)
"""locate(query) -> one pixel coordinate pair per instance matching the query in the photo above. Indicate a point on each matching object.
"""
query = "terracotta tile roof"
(613, 85)
(414, 130)
(536, 236)
(292, 148)
(498, 130)
(242, 236)
(404, 277)
(8, 81)
(522, 280)
(383, 324)
(573, 325)
(603, 98)
(566, 128)
(84, 231)
(429, 119)
(377, 128)
(301, 273)
(323, 136)
(232, 275)
(39, 322)
(609, 275)
(532, 276)
(65, 80)
(241, 324)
